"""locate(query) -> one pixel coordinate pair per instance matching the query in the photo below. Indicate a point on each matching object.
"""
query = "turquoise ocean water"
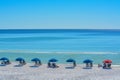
(61, 44)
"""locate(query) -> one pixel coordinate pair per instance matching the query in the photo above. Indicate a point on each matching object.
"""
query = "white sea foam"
(56, 52)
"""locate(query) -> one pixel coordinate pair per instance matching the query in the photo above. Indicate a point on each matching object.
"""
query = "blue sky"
(49, 14)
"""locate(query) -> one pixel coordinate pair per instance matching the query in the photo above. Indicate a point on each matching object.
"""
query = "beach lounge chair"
(89, 64)
(107, 64)
(54, 65)
(49, 65)
(37, 62)
(5, 61)
(104, 66)
(99, 65)
(21, 62)
(71, 61)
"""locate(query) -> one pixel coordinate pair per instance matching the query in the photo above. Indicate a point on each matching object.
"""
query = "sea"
(62, 44)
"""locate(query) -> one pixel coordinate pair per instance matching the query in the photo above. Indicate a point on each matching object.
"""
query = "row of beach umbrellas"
(54, 60)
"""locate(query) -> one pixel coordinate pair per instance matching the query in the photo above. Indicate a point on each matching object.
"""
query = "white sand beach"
(26, 72)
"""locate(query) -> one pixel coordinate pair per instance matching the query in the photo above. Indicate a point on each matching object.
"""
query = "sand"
(26, 72)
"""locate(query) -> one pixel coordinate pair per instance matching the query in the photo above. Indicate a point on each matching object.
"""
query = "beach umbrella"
(19, 59)
(87, 61)
(4, 58)
(107, 61)
(35, 59)
(70, 60)
(53, 60)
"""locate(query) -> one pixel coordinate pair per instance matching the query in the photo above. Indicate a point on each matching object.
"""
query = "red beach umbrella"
(107, 61)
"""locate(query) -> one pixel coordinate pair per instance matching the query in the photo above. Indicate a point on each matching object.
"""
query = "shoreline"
(28, 64)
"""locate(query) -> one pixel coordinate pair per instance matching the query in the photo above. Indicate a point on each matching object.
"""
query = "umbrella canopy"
(70, 60)
(35, 59)
(4, 58)
(19, 59)
(53, 60)
(87, 61)
(107, 61)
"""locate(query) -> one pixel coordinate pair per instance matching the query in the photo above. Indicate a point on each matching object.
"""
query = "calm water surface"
(99, 44)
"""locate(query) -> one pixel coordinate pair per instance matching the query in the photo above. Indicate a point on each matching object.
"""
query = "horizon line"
(56, 29)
